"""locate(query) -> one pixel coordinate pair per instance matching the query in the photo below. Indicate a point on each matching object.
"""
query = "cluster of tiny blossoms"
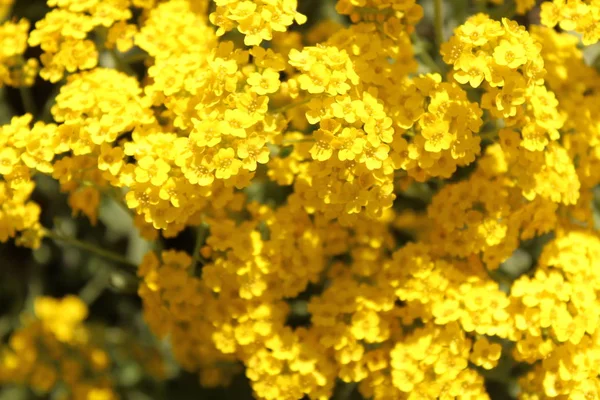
(15, 69)
(256, 20)
(54, 347)
(581, 16)
(56, 351)
(293, 163)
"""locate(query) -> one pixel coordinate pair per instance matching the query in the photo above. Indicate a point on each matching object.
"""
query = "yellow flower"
(475, 34)
(447, 311)
(437, 136)
(61, 317)
(323, 148)
(379, 130)
(510, 97)
(252, 151)
(406, 378)
(510, 54)
(200, 170)
(265, 83)
(236, 122)
(149, 169)
(373, 156)
(317, 79)
(349, 144)
(471, 70)
(226, 165)
(485, 354)
(8, 159)
(550, 14)
(110, 159)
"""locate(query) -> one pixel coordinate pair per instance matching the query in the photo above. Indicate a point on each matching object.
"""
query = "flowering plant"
(379, 198)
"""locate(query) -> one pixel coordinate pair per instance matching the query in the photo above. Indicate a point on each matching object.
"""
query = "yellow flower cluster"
(405, 327)
(390, 12)
(23, 152)
(256, 20)
(557, 318)
(178, 304)
(577, 89)
(507, 60)
(293, 163)
(369, 133)
(15, 70)
(485, 214)
(581, 16)
(69, 34)
(55, 348)
(238, 306)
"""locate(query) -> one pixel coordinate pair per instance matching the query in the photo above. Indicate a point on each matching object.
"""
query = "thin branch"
(286, 142)
(289, 106)
(94, 288)
(135, 58)
(120, 260)
(47, 108)
(439, 22)
(201, 233)
(28, 101)
(426, 58)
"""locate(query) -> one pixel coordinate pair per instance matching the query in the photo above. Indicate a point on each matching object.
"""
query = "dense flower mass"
(15, 69)
(55, 349)
(358, 203)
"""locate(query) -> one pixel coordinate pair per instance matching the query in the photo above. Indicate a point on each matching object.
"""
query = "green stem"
(121, 64)
(47, 109)
(439, 22)
(489, 135)
(201, 233)
(7, 324)
(425, 57)
(421, 51)
(290, 106)
(345, 391)
(292, 141)
(480, 6)
(106, 254)
(135, 58)
(112, 193)
(28, 101)
(115, 195)
(94, 288)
